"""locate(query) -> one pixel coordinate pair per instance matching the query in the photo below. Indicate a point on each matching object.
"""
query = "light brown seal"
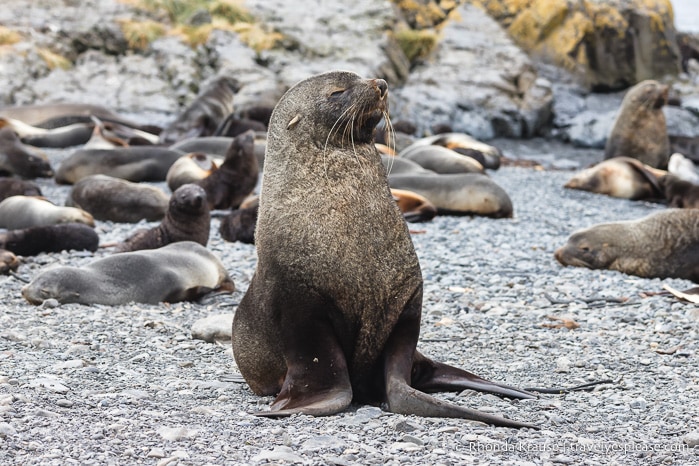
(488, 156)
(441, 159)
(118, 200)
(458, 194)
(332, 313)
(182, 271)
(640, 129)
(8, 262)
(191, 168)
(663, 244)
(204, 114)
(26, 211)
(621, 177)
(50, 238)
(187, 219)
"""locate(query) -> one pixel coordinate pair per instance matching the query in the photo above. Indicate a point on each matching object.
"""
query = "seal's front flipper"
(317, 379)
(431, 376)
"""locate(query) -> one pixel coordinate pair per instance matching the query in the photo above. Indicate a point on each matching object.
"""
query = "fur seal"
(191, 168)
(239, 225)
(485, 154)
(235, 179)
(54, 115)
(187, 219)
(205, 113)
(441, 160)
(118, 200)
(458, 194)
(640, 129)
(679, 193)
(64, 136)
(621, 177)
(136, 163)
(233, 126)
(401, 166)
(8, 262)
(219, 145)
(182, 271)
(332, 313)
(14, 187)
(662, 245)
(415, 208)
(18, 212)
(50, 238)
(16, 159)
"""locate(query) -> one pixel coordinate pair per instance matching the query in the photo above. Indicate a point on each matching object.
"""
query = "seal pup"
(621, 177)
(118, 200)
(50, 238)
(680, 193)
(8, 262)
(63, 136)
(239, 225)
(135, 163)
(18, 212)
(332, 313)
(235, 179)
(415, 208)
(640, 129)
(662, 245)
(182, 271)
(204, 114)
(16, 159)
(187, 219)
(441, 160)
(458, 194)
(191, 168)
(15, 187)
(219, 145)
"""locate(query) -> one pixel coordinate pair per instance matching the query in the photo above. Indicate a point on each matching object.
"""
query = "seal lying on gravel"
(13, 187)
(187, 219)
(621, 177)
(8, 262)
(27, 211)
(50, 238)
(16, 159)
(117, 200)
(181, 271)
(664, 244)
(332, 313)
(191, 168)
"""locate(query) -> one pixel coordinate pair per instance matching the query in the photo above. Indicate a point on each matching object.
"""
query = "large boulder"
(478, 81)
(610, 44)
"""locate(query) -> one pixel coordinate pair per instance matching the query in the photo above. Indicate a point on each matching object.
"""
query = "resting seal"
(191, 168)
(50, 238)
(25, 211)
(333, 310)
(8, 262)
(663, 244)
(488, 156)
(181, 271)
(16, 159)
(441, 159)
(621, 177)
(14, 187)
(680, 193)
(117, 200)
(640, 129)
(187, 219)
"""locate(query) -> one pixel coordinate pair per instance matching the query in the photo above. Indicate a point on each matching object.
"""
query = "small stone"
(51, 384)
(50, 303)
(639, 403)
(6, 430)
(64, 403)
(412, 439)
(563, 364)
(176, 433)
(406, 426)
(156, 453)
(213, 328)
(278, 454)
(692, 439)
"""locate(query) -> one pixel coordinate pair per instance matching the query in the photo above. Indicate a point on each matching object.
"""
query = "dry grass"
(53, 60)
(8, 36)
(139, 34)
(417, 44)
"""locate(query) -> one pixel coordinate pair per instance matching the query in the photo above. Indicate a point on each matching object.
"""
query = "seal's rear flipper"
(431, 376)
(400, 357)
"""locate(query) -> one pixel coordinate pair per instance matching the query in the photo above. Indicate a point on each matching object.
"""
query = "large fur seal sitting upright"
(640, 129)
(332, 313)
(664, 244)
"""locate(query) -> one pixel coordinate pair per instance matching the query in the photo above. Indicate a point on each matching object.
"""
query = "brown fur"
(663, 244)
(680, 193)
(8, 262)
(50, 238)
(187, 219)
(16, 159)
(13, 187)
(640, 129)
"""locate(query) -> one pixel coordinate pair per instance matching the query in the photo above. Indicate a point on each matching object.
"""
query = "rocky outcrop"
(611, 44)
(478, 81)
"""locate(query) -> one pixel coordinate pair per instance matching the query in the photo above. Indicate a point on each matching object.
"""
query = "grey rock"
(692, 439)
(278, 454)
(213, 328)
(6, 430)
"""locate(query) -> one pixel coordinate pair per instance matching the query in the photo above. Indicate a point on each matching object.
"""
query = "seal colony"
(332, 313)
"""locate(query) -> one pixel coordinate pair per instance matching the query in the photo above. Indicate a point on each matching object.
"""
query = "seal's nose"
(382, 86)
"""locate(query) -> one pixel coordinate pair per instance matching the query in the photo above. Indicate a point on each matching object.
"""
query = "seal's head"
(594, 248)
(648, 94)
(60, 283)
(338, 108)
(189, 199)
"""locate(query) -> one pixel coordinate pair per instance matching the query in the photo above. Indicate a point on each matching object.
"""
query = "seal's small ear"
(294, 121)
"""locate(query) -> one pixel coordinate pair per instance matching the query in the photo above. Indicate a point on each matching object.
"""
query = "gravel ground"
(128, 384)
